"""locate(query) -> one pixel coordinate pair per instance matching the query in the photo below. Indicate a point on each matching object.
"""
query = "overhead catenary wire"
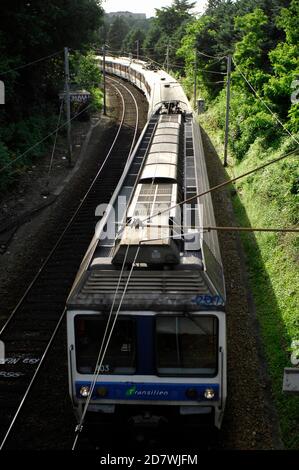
(225, 183)
(100, 360)
(211, 56)
(180, 66)
(206, 229)
(55, 141)
(183, 67)
(5, 72)
(101, 356)
(98, 367)
(11, 316)
(264, 103)
(209, 228)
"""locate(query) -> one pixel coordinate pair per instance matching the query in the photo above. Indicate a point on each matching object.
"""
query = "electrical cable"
(101, 356)
(42, 140)
(211, 56)
(55, 141)
(225, 183)
(30, 63)
(207, 228)
(100, 360)
(265, 104)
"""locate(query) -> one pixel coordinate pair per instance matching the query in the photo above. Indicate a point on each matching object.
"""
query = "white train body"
(168, 351)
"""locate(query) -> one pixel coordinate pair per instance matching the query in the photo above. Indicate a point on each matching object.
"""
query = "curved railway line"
(35, 411)
(29, 331)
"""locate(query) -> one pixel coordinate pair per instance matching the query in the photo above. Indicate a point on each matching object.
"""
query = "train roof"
(164, 87)
(195, 283)
(186, 287)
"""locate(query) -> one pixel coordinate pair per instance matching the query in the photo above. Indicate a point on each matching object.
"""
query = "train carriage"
(159, 276)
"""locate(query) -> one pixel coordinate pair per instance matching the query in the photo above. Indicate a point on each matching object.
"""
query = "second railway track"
(29, 331)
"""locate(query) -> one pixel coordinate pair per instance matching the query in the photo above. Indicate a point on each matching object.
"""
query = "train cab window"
(187, 346)
(120, 357)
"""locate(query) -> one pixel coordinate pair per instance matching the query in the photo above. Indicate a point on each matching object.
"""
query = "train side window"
(120, 357)
(187, 346)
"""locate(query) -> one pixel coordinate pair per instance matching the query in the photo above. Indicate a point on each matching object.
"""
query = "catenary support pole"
(195, 79)
(68, 104)
(104, 79)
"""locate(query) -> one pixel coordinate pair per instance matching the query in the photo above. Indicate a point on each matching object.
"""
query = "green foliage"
(96, 99)
(116, 34)
(166, 31)
(29, 31)
(17, 138)
(264, 45)
(134, 37)
(248, 51)
(285, 64)
(293, 123)
(86, 73)
(270, 65)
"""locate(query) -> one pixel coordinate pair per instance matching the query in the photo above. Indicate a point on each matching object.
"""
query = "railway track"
(30, 330)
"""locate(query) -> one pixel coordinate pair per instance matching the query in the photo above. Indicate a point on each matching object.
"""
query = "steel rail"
(58, 324)
(44, 264)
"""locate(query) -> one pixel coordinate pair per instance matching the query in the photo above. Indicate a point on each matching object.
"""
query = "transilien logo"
(131, 391)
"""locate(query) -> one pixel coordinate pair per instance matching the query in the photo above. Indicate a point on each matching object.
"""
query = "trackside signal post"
(68, 103)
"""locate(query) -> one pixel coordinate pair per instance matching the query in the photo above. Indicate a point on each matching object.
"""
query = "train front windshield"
(120, 357)
(181, 345)
(187, 345)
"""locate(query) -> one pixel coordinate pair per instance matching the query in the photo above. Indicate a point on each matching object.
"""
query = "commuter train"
(158, 277)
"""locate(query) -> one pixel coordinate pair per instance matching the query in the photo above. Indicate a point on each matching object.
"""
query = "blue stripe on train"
(149, 391)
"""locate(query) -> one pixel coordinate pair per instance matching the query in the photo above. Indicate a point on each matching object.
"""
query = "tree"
(285, 65)
(248, 51)
(30, 31)
(167, 29)
(133, 40)
(117, 32)
(33, 29)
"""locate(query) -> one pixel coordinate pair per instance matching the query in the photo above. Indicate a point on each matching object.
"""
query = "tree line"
(32, 37)
(262, 36)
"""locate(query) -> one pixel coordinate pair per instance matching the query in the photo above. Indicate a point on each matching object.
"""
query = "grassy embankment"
(269, 198)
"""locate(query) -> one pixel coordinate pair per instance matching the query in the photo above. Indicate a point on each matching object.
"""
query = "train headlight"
(84, 391)
(209, 393)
